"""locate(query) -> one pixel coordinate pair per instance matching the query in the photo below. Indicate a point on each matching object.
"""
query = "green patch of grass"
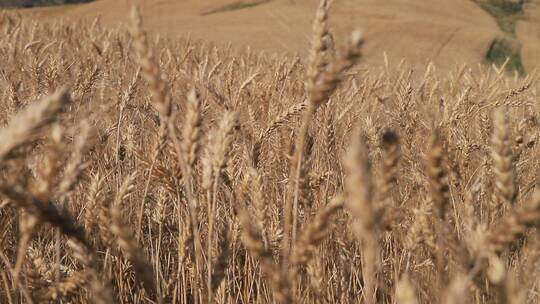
(505, 12)
(502, 49)
(235, 6)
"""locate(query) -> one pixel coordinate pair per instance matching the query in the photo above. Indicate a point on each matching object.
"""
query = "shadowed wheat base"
(142, 170)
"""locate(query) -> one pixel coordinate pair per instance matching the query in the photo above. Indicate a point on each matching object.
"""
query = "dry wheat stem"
(359, 190)
(326, 83)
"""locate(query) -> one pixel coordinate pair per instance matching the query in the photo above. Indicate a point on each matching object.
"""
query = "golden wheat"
(137, 169)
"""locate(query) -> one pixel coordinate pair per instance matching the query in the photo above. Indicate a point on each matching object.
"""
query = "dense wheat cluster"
(135, 169)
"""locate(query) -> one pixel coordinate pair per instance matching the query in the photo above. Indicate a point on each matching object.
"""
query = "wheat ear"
(504, 192)
(25, 124)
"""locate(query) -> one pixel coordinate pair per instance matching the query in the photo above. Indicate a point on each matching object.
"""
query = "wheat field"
(140, 169)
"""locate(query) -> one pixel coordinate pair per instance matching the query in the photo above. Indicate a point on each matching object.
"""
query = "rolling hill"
(449, 33)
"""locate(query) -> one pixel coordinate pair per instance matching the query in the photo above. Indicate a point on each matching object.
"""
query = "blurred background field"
(445, 32)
